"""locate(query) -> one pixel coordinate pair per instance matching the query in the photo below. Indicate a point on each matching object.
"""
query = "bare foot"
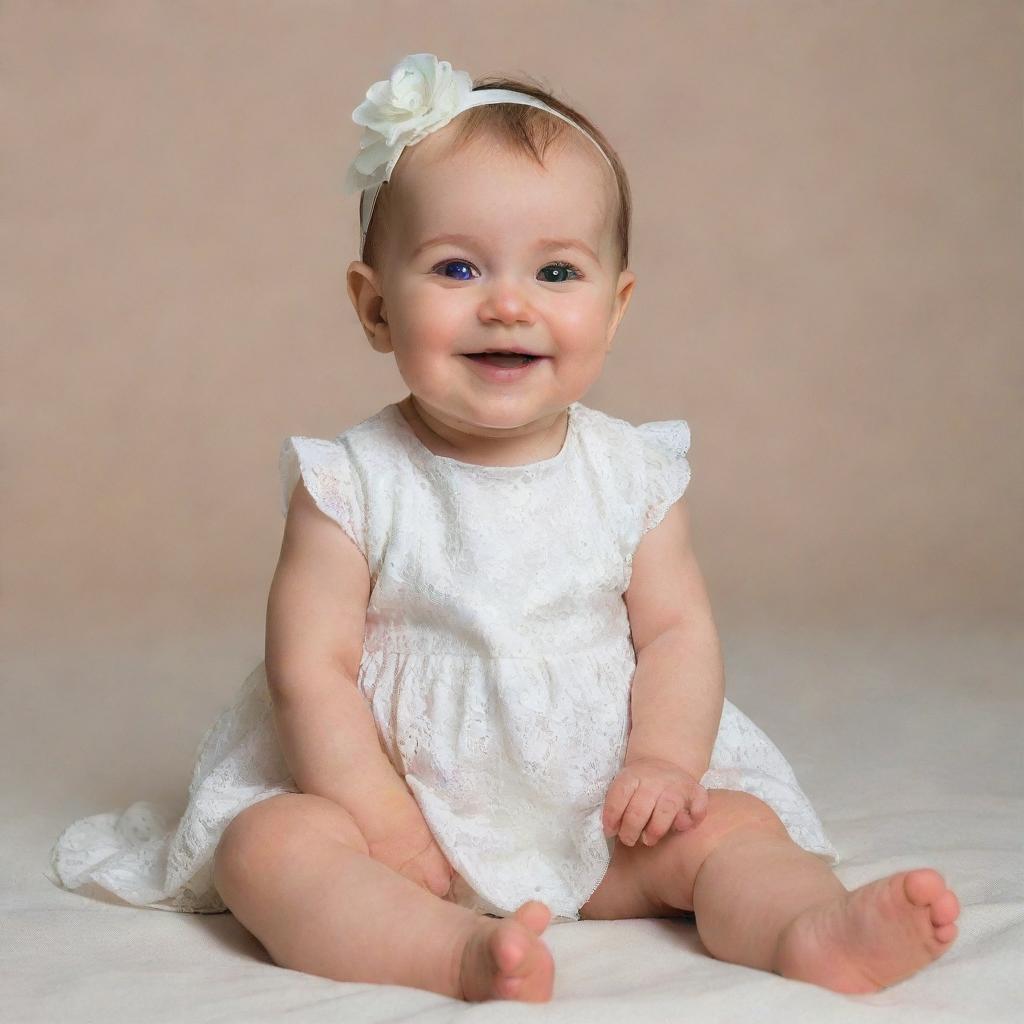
(872, 937)
(504, 958)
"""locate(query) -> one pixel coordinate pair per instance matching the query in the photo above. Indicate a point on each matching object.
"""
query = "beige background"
(829, 244)
(829, 247)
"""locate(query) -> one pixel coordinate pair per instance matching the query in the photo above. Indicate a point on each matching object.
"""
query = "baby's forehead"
(446, 187)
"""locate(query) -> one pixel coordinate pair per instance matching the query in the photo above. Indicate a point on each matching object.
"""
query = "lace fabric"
(497, 662)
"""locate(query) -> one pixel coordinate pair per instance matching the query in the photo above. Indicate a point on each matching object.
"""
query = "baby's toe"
(923, 886)
(510, 950)
(535, 915)
(945, 909)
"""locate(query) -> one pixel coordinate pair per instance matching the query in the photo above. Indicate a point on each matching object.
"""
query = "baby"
(493, 698)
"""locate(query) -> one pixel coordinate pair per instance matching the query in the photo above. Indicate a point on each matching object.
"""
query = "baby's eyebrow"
(542, 244)
(567, 243)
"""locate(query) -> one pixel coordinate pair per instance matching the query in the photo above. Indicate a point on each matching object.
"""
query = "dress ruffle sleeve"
(666, 469)
(328, 475)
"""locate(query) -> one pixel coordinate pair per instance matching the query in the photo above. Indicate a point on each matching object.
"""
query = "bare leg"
(293, 871)
(762, 901)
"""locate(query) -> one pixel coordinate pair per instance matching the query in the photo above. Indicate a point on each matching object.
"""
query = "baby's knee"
(732, 810)
(247, 847)
(274, 833)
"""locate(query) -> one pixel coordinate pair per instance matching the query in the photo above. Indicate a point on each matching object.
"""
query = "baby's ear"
(623, 293)
(363, 285)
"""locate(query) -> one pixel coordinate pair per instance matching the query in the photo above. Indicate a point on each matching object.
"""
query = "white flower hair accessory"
(421, 95)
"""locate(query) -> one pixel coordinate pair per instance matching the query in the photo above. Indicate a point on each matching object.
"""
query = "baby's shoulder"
(360, 444)
(351, 476)
(642, 468)
(358, 459)
(367, 434)
(629, 448)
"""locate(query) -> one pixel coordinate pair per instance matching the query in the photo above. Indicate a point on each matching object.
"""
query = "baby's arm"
(316, 616)
(679, 684)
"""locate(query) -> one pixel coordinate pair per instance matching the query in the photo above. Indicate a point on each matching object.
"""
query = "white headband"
(421, 95)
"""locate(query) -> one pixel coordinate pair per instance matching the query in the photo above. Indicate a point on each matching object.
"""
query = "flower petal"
(421, 95)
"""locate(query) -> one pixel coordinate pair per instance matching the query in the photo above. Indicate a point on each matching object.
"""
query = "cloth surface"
(905, 735)
(497, 662)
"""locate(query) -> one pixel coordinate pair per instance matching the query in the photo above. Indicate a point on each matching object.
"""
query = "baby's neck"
(518, 450)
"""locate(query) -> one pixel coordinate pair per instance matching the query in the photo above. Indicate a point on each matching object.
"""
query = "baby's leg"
(763, 901)
(295, 871)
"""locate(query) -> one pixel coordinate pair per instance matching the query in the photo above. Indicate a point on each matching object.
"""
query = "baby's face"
(534, 266)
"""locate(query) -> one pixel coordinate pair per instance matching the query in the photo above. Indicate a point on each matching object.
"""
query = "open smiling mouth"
(502, 359)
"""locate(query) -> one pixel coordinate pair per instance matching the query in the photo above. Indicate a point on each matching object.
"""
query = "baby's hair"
(522, 129)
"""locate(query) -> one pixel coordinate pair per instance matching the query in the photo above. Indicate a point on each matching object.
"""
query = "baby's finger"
(682, 821)
(661, 819)
(698, 804)
(616, 802)
(636, 816)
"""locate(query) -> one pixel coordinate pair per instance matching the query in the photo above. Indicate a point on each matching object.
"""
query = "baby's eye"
(454, 263)
(561, 268)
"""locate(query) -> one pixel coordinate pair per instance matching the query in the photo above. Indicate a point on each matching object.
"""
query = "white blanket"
(906, 740)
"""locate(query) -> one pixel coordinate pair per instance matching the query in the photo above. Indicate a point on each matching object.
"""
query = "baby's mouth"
(502, 358)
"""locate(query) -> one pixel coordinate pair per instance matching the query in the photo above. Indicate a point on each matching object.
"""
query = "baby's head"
(542, 217)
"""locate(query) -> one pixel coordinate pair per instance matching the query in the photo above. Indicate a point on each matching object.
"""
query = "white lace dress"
(497, 661)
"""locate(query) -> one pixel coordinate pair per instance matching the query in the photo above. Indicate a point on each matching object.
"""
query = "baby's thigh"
(625, 891)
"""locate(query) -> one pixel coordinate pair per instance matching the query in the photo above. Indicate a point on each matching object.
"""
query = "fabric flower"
(421, 95)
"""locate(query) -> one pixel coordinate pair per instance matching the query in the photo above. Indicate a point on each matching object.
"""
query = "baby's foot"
(872, 937)
(504, 958)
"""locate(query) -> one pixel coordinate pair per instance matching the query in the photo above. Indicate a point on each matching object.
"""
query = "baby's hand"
(412, 850)
(650, 796)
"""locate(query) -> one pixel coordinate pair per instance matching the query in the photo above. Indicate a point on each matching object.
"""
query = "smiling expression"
(487, 250)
